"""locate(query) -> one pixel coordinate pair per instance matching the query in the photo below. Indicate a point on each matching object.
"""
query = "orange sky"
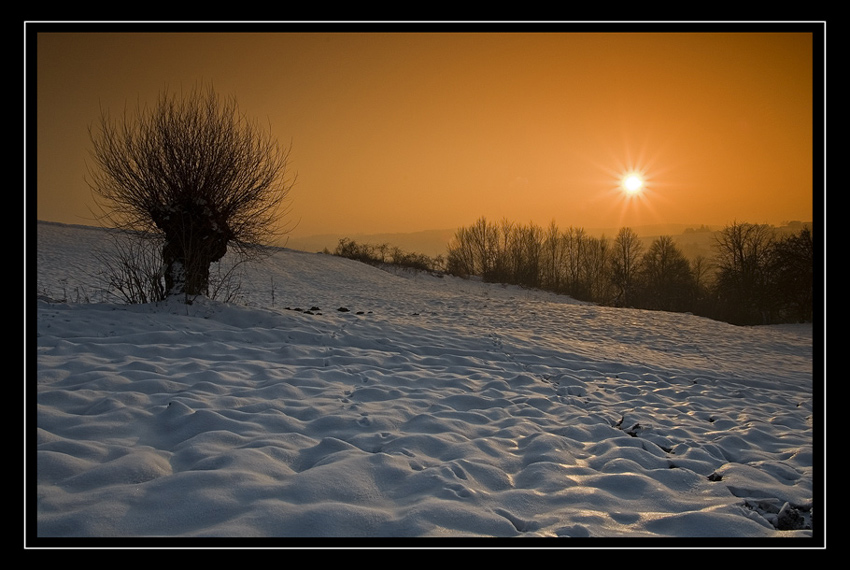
(403, 132)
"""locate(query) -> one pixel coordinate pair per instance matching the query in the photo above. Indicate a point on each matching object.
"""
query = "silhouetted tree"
(625, 264)
(575, 243)
(742, 272)
(502, 266)
(484, 237)
(791, 272)
(597, 270)
(459, 256)
(196, 171)
(667, 282)
(552, 261)
(524, 255)
(701, 270)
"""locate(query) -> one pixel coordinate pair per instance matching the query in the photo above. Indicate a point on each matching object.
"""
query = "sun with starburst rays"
(632, 183)
(630, 188)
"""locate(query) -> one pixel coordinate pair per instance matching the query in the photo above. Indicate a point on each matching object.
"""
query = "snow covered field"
(431, 407)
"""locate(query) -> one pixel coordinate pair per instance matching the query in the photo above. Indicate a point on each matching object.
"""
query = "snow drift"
(335, 399)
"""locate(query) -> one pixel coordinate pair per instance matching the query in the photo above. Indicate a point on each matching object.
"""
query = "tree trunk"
(193, 241)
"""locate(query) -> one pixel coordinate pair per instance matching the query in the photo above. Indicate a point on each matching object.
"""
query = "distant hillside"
(431, 242)
(699, 241)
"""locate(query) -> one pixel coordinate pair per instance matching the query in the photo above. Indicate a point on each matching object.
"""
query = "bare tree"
(667, 278)
(742, 255)
(529, 244)
(597, 269)
(791, 275)
(197, 172)
(625, 264)
(132, 268)
(575, 244)
(484, 239)
(460, 257)
(553, 257)
(505, 233)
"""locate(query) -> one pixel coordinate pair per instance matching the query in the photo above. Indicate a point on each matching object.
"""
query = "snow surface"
(432, 407)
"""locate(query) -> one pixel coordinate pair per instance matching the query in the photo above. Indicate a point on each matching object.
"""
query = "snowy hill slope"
(431, 406)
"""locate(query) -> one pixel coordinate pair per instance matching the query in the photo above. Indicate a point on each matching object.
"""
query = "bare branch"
(195, 170)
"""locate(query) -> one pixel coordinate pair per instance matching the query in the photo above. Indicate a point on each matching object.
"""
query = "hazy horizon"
(435, 242)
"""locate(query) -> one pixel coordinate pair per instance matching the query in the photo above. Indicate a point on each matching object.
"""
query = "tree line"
(755, 276)
(386, 254)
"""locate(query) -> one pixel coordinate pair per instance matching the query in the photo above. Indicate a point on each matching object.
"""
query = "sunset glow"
(409, 132)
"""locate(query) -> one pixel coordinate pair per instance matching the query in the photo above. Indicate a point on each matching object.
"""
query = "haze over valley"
(692, 239)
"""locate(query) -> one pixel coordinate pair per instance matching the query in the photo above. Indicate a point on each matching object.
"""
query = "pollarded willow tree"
(197, 172)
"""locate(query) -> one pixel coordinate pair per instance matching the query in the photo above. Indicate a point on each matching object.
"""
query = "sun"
(632, 183)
